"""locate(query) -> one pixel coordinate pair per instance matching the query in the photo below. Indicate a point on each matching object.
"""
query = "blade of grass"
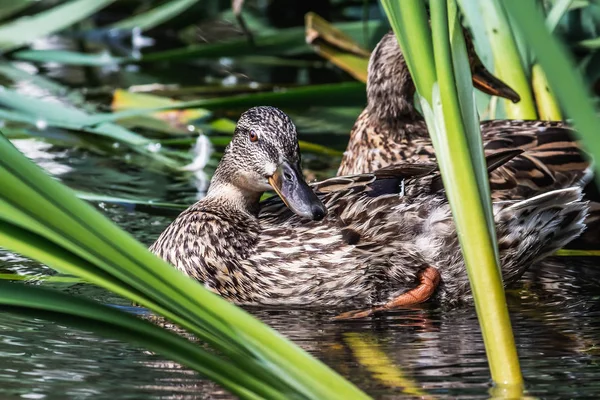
(175, 90)
(473, 216)
(333, 45)
(468, 110)
(21, 76)
(563, 78)
(318, 149)
(42, 278)
(507, 61)
(42, 114)
(354, 65)
(477, 30)
(66, 57)
(27, 29)
(37, 247)
(432, 67)
(111, 322)
(558, 11)
(53, 113)
(8, 8)
(125, 100)
(335, 94)
(577, 253)
(317, 27)
(288, 41)
(119, 200)
(21, 241)
(547, 105)
(54, 212)
(156, 16)
(31, 243)
(420, 46)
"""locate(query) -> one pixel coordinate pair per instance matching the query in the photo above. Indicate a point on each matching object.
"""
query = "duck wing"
(551, 159)
(386, 185)
(340, 191)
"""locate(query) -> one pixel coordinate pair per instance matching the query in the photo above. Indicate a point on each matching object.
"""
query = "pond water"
(421, 352)
(406, 354)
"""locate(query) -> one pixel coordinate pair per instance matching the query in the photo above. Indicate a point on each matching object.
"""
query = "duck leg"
(429, 279)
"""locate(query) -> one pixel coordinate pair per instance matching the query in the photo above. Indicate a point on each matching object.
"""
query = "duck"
(373, 242)
(390, 130)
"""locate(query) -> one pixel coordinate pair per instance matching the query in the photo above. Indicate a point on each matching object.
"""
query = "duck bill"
(488, 83)
(289, 184)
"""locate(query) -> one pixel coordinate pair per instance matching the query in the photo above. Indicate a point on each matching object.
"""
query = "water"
(421, 352)
(424, 350)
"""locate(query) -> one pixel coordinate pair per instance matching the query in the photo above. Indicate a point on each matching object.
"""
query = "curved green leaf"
(334, 94)
(562, 75)
(85, 314)
(432, 57)
(27, 29)
(156, 16)
(115, 260)
(68, 57)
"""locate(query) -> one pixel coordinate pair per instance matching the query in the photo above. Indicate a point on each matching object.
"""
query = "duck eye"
(253, 136)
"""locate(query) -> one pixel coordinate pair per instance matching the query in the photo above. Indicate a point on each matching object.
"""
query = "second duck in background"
(390, 130)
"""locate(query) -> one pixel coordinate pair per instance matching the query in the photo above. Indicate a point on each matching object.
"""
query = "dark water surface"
(406, 354)
(421, 352)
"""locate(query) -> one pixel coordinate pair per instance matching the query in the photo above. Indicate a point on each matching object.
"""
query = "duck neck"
(226, 192)
(392, 110)
(390, 88)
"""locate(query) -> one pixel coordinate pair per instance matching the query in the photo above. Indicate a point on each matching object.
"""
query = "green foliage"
(502, 45)
(439, 69)
(9, 8)
(563, 78)
(68, 58)
(156, 16)
(27, 29)
(336, 94)
(285, 42)
(94, 317)
(43, 220)
(507, 61)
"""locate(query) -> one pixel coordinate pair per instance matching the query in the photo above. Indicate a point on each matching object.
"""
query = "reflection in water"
(202, 151)
(39, 151)
(424, 351)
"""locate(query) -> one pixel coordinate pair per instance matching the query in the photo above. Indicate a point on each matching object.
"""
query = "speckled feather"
(390, 130)
(552, 159)
(381, 229)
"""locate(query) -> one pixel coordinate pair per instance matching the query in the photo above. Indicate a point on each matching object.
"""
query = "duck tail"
(532, 229)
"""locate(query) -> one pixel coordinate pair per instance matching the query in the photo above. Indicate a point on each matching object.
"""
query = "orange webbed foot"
(429, 279)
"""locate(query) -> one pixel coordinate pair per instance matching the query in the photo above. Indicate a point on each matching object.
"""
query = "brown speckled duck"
(390, 130)
(387, 238)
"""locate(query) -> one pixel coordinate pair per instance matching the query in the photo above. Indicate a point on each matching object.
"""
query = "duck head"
(390, 88)
(263, 155)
